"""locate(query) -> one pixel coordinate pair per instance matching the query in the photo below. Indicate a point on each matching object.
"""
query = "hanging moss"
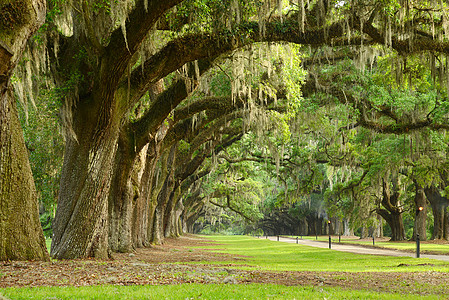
(12, 15)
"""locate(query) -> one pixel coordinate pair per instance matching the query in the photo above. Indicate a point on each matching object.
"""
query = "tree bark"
(99, 110)
(440, 215)
(162, 198)
(420, 214)
(392, 212)
(123, 192)
(21, 235)
(80, 227)
(347, 229)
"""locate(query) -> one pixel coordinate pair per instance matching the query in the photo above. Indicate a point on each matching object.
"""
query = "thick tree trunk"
(440, 215)
(80, 227)
(364, 232)
(120, 203)
(170, 214)
(193, 209)
(157, 166)
(379, 230)
(159, 213)
(140, 218)
(392, 213)
(21, 235)
(420, 214)
(397, 227)
(163, 197)
(347, 229)
(394, 220)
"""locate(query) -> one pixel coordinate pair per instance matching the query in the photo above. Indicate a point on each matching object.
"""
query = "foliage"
(45, 144)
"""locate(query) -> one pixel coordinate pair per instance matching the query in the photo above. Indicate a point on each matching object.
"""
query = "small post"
(339, 237)
(278, 238)
(417, 245)
(373, 239)
(296, 240)
(329, 229)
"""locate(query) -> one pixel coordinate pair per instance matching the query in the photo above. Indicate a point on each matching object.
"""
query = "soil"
(171, 263)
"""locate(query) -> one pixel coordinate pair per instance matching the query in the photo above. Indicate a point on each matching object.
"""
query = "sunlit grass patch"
(278, 256)
(48, 244)
(404, 245)
(200, 291)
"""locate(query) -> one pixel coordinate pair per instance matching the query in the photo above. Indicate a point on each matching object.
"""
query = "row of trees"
(152, 93)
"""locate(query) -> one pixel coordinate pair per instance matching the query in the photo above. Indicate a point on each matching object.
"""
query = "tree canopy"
(176, 111)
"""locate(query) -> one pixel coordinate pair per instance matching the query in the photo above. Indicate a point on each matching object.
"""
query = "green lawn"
(279, 256)
(405, 245)
(198, 291)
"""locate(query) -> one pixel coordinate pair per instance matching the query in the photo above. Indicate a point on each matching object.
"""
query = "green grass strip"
(269, 255)
(199, 291)
(404, 245)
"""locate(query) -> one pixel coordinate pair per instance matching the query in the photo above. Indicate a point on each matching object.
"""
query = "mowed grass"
(405, 245)
(48, 244)
(200, 291)
(280, 256)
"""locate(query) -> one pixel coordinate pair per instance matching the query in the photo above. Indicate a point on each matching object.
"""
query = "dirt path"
(155, 266)
(358, 249)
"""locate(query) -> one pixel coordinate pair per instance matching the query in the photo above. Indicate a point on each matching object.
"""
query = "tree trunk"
(141, 208)
(120, 202)
(420, 214)
(80, 227)
(440, 215)
(170, 222)
(162, 199)
(379, 231)
(347, 229)
(397, 227)
(392, 213)
(394, 220)
(21, 235)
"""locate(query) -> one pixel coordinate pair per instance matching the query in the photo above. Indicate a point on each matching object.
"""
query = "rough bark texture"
(440, 214)
(163, 198)
(80, 228)
(21, 235)
(120, 203)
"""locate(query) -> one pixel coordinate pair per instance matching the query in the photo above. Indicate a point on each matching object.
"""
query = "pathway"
(357, 249)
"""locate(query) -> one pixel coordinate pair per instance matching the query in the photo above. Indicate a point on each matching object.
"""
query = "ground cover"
(426, 247)
(236, 266)
(202, 291)
(278, 256)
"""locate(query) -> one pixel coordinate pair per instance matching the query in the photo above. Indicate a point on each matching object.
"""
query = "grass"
(279, 256)
(405, 245)
(48, 243)
(260, 254)
(200, 291)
